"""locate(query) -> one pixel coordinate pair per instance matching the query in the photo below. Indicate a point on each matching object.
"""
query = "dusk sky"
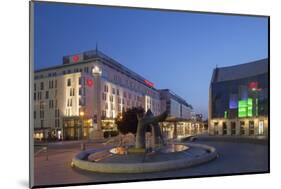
(175, 50)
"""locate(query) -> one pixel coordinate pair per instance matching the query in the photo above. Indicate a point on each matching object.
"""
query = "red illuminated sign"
(75, 58)
(148, 83)
(89, 82)
(253, 85)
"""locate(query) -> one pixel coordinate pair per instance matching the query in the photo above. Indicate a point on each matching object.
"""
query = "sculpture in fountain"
(149, 120)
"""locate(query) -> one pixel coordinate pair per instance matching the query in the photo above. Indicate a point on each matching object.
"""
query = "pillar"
(96, 132)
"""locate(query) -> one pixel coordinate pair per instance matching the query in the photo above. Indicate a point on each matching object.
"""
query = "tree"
(127, 122)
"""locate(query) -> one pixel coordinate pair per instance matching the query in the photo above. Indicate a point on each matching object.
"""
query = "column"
(97, 131)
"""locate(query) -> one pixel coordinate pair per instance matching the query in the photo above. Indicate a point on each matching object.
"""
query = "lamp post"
(81, 114)
(97, 131)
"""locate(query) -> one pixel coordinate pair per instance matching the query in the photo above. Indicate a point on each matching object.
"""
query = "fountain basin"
(193, 154)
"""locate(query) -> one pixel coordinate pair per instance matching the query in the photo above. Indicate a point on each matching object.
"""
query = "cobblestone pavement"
(234, 157)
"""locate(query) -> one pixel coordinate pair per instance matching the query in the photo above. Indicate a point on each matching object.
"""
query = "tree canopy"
(128, 122)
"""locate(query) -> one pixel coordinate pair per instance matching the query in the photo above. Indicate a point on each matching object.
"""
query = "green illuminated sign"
(245, 108)
(250, 107)
(242, 108)
(225, 114)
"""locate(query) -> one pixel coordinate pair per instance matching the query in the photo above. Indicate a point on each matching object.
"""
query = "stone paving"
(234, 157)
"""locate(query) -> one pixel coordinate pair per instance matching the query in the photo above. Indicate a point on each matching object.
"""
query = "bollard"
(83, 146)
(46, 151)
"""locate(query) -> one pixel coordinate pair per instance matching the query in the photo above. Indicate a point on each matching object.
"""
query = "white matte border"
(14, 92)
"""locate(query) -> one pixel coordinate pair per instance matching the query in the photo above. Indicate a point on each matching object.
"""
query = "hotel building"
(81, 98)
(238, 100)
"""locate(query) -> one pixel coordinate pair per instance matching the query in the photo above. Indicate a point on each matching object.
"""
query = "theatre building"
(80, 98)
(238, 100)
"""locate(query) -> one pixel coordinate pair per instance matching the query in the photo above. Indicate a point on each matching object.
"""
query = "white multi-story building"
(74, 100)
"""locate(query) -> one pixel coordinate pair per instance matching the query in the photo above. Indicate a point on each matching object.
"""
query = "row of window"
(38, 95)
(42, 114)
(52, 84)
(63, 72)
(134, 85)
(82, 102)
(242, 128)
(125, 94)
(57, 123)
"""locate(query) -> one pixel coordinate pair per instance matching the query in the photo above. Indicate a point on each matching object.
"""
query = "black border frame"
(31, 27)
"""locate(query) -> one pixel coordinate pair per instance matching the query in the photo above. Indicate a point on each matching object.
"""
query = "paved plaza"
(235, 156)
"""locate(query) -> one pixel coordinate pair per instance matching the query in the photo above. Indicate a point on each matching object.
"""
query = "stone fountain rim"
(146, 167)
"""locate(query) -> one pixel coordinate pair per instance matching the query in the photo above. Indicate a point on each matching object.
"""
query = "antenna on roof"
(96, 46)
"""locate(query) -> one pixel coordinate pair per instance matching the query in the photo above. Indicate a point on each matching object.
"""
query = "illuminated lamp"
(89, 82)
(148, 83)
(75, 58)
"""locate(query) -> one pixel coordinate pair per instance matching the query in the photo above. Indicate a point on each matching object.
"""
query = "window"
(42, 123)
(42, 86)
(42, 114)
(113, 91)
(216, 130)
(68, 82)
(242, 128)
(69, 102)
(81, 81)
(51, 103)
(117, 91)
(251, 128)
(57, 123)
(125, 94)
(47, 95)
(261, 127)
(111, 98)
(34, 96)
(224, 128)
(233, 128)
(103, 113)
(105, 88)
(86, 69)
(82, 91)
(82, 101)
(72, 92)
(34, 114)
(103, 96)
(51, 84)
(106, 106)
(57, 113)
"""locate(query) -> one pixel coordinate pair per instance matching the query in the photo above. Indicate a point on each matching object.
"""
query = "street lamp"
(82, 123)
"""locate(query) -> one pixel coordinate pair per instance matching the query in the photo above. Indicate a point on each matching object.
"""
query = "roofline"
(177, 96)
(253, 61)
(101, 56)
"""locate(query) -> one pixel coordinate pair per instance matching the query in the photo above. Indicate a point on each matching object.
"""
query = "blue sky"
(175, 50)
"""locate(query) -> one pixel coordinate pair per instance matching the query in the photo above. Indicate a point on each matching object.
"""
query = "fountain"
(138, 158)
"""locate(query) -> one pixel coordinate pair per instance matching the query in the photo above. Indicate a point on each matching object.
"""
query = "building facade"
(238, 100)
(81, 98)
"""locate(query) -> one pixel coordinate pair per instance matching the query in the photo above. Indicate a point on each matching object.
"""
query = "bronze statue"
(149, 120)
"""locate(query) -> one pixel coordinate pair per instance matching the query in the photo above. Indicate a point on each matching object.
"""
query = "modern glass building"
(238, 100)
